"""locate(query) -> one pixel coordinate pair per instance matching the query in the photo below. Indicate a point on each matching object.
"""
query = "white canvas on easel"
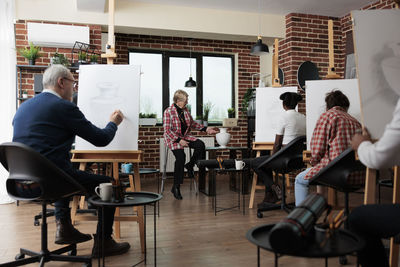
(376, 37)
(315, 100)
(268, 111)
(103, 89)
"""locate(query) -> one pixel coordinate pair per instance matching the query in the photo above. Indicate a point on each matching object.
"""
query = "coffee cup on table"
(104, 191)
(126, 167)
(239, 164)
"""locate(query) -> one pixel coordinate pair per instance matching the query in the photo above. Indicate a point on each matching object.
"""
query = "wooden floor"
(188, 233)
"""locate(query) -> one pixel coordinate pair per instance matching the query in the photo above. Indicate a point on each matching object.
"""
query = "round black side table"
(131, 199)
(341, 243)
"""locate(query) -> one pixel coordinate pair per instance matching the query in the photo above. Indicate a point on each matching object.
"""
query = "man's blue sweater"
(49, 125)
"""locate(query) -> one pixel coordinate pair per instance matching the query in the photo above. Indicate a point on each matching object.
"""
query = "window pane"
(179, 72)
(217, 86)
(150, 82)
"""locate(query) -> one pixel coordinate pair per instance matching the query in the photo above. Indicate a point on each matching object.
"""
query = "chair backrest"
(25, 164)
(289, 158)
(337, 172)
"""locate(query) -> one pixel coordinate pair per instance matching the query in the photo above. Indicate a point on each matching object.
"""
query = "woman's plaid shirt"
(172, 127)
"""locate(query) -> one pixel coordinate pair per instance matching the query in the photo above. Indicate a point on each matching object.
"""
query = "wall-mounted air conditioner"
(54, 35)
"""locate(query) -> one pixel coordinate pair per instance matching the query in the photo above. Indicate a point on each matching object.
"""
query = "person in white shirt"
(291, 125)
(377, 221)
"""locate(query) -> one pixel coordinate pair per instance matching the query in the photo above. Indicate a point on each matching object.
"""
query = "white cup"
(105, 191)
(239, 164)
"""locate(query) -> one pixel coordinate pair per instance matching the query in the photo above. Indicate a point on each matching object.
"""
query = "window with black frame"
(164, 72)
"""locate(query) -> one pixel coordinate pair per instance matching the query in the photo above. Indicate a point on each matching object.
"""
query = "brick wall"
(21, 41)
(307, 40)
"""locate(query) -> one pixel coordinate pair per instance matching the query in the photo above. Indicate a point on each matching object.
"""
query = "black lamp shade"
(190, 83)
(259, 48)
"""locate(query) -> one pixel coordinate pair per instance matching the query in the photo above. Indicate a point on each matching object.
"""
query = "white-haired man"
(49, 123)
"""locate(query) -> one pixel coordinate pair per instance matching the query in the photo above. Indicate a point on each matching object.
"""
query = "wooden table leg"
(140, 208)
(75, 199)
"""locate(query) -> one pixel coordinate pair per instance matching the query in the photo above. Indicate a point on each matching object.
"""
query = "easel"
(275, 74)
(258, 146)
(113, 157)
(331, 69)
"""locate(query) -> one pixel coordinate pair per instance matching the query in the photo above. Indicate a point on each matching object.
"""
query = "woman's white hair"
(52, 74)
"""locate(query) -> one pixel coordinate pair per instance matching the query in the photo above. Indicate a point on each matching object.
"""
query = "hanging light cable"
(190, 83)
(259, 48)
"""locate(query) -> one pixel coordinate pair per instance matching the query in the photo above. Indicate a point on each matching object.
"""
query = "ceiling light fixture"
(190, 83)
(259, 48)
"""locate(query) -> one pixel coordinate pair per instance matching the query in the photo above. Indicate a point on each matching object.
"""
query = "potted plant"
(24, 94)
(231, 113)
(93, 59)
(59, 59)
(31, 53)
(206, 112)
(246, 98)
(147, 119)
(199, 119)
(82, 56)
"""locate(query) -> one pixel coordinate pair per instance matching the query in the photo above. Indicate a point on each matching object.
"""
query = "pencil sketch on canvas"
(103, 89)
(377, 39)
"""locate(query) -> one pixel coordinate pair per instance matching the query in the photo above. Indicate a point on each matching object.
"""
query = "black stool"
(286, 160)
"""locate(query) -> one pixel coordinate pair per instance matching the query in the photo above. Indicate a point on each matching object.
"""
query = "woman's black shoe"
(177, 193)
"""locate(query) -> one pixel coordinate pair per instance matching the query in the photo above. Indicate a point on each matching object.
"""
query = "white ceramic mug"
(104, 191)
(239, 164)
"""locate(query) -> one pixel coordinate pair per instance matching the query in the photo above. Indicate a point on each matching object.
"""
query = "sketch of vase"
(391, 68)
(105, 103)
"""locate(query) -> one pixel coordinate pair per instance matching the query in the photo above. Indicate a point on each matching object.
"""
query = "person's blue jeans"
(301, 187)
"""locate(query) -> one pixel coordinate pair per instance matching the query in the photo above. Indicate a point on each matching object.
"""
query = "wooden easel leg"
(117, 224)
(370, 186)
(394, 248)
(75, 199)
(74, 208)
(253, 191)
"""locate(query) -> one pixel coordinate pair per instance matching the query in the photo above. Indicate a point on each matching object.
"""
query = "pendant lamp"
(190, 83)
(259, 48)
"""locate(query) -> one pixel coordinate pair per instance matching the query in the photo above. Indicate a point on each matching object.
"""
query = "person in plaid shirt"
(177, 124)
(332, 135)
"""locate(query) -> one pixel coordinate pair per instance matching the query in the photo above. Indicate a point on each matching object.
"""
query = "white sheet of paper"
(103, 89)
(268, 111)
(376, 37)
(315, 100)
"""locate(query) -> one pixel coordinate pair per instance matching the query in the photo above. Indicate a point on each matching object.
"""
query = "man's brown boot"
(67, 234)
(111, 247)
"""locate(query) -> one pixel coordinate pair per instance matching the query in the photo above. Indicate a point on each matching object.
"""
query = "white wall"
(142, 18)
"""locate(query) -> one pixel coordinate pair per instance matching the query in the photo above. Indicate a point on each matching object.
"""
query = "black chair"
(336, 175)
(286, 160)
(27, 168)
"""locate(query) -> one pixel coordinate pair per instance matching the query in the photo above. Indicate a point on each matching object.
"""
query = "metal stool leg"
(164, 175)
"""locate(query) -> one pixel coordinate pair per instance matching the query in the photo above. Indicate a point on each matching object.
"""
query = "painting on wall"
(377, 49)
(268, 111)
(315, 100)
(103, 89)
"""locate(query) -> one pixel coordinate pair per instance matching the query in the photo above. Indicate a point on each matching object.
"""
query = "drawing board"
(377, 50)
(315, 100)
(103, 89)
(268, 111)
